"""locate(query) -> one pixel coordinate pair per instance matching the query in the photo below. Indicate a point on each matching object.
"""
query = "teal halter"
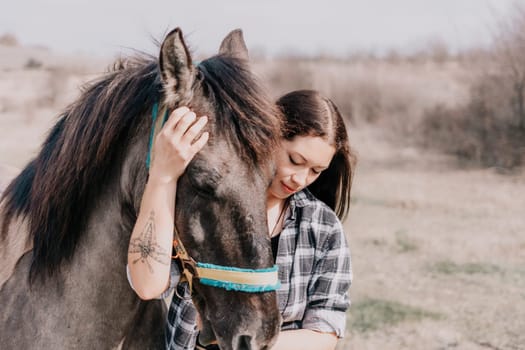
(240, 287)
(154, 114)
(225, 277)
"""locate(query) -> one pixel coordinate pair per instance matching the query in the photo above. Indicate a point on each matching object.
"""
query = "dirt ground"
(438, 250)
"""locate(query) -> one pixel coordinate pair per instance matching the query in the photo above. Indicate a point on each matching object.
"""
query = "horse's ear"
(234, 45)
(176, 69)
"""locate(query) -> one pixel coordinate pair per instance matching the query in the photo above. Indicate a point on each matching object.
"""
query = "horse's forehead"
(221, 156)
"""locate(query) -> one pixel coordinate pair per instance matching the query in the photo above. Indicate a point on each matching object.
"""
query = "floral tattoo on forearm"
(146, 245)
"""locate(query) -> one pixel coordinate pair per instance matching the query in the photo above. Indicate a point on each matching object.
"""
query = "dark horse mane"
(56, 189)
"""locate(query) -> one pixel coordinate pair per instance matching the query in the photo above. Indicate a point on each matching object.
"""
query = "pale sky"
(338, 27)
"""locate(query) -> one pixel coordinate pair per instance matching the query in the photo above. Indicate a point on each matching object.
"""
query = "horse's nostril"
(245, 342)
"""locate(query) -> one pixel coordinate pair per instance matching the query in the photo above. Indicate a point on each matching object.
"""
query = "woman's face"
(299, 162)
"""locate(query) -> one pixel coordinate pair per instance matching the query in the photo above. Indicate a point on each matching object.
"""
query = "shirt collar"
(300, 200)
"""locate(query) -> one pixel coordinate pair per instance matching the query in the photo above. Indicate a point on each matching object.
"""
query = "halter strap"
(225, 277)
(156, 125)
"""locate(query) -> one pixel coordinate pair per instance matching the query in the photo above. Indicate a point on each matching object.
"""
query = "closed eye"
(203, 190)
(204, 182)
(294, 162)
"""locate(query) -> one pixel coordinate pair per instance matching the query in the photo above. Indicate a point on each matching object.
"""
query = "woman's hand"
(176, 145)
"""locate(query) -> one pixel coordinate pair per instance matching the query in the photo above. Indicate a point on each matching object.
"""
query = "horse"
(66, 219)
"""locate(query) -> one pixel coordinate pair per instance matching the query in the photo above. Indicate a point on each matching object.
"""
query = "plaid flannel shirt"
(314, 270)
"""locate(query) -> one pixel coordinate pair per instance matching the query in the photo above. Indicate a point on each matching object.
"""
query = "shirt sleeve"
(181, 325)
(174, 279)
(328, 287)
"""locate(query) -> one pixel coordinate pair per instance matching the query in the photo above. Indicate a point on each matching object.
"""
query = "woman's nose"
(299, 178)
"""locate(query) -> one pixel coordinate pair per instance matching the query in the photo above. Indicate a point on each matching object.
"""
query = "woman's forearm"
(149, 253)
(305, 339)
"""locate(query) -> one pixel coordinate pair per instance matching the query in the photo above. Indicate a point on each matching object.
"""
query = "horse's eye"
(204, 189)
(205, 182)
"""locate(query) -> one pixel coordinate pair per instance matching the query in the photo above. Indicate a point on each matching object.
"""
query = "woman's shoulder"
(318, 221)
(316, 217)
(313, 208)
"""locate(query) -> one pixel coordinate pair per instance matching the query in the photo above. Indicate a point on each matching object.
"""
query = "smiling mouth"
(287, 189)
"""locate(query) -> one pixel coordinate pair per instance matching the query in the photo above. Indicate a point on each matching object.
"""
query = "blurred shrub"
(8, 39)
(366, 90)
(32, 63)
(489, 129)
(484, 131)
(288, 75)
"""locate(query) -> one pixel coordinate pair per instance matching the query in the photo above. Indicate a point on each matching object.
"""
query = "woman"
(308, 196)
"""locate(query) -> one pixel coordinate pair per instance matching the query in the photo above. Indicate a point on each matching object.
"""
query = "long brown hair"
(308, 113)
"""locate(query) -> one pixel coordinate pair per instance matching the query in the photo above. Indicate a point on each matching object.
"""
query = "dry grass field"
(438, 249)
(438, 252)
